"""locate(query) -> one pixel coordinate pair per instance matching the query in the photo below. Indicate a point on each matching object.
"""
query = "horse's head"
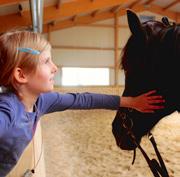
(151, 61)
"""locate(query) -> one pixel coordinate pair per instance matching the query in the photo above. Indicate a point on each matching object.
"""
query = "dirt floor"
(81, 144)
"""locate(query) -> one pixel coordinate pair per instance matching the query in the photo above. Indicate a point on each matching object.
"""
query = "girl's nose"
(54, 68)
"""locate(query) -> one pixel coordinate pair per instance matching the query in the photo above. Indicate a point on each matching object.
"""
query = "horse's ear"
(166, 21)
(134, 23)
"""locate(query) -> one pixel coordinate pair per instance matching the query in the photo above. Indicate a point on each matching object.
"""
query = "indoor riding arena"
(88, 39)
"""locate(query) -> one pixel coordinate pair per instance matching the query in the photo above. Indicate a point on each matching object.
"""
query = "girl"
(27, 74)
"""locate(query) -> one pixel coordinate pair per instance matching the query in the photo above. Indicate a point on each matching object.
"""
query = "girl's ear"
(19, 76)
(134, 24)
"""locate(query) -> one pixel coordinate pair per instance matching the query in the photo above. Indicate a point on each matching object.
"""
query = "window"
(75, 76)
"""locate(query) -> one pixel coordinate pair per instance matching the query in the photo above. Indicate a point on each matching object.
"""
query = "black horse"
(151, 61)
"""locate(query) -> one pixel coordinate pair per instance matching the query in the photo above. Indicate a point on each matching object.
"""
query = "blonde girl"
(27, 78)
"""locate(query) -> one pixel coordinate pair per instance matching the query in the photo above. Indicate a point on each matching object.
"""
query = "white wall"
(76, 57)
(88, 36)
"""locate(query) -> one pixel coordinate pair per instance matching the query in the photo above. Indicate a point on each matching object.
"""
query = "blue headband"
(29, 50)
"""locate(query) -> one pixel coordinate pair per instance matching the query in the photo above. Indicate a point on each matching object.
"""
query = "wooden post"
(178, 18)
(116, 54)
(49, 32)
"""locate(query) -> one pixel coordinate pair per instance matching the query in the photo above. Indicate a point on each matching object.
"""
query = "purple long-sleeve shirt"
(17, 126)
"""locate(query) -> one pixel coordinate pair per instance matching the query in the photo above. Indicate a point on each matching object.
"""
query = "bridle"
(158, 168)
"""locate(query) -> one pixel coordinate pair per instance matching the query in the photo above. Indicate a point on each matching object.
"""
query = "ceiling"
(60, 14)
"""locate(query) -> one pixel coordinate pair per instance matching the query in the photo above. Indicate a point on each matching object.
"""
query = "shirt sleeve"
(5, 116)
(52, 102)
(2, 124)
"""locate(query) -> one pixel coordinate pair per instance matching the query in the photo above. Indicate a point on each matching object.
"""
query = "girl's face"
(43, 79)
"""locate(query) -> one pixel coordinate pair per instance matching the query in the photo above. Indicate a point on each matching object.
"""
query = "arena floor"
(81, 144)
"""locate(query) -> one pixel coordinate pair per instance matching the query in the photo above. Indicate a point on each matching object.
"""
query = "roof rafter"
(78, 7)
(148, 2)
(133, 4)
(52, 13)
(59, 3)
(85, 20)
(171, 4)
(69, 10)
(116, 9)
(74, 18)
(94, 13)
(157, 9)
(20, 10)
(7, 2)
(178, 18)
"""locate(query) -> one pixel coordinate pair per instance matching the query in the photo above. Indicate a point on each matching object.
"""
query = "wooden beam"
(74, 18)
(79, 7)
(86, 66)
(51, 13)
(59, 3)
(148, 2)
(178, 18)
(83, 48)
(105, 25)
(86, 20)
(116, 9)
(155, 9)
(116, 53)
(20, 10)
(49, 32)
(133, 4)
(171, 4)
(14, 20)
(93, 14)
(8, 2)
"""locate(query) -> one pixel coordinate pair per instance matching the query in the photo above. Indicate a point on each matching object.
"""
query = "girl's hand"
(146, 103)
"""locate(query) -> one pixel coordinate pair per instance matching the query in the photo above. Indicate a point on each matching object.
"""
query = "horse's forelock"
(153, 28)
(138, 49)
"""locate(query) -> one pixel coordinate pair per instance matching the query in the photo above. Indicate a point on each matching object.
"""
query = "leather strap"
(157, 168)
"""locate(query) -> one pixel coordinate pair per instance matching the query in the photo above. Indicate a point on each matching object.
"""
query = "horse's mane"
(134, 53)
(141, 50)
(151, 57)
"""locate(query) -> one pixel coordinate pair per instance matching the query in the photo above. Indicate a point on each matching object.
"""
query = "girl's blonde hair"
(11, 57)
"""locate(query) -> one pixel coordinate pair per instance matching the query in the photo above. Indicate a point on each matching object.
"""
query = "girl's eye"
(47, 60)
